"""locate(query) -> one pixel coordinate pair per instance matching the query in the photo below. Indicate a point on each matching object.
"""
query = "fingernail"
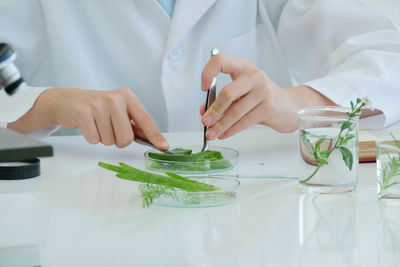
(211, 134)
(164, 144)
(208, 120)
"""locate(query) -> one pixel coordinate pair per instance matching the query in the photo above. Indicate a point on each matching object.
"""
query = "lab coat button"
(175, 54)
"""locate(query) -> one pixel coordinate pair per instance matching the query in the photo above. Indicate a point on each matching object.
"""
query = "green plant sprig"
(155, 185)
(390, 171)
(344, 136)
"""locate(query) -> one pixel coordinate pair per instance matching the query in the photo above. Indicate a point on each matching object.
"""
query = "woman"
(337, 50)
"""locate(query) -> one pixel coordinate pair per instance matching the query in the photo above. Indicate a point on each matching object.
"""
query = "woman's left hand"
(252, 98)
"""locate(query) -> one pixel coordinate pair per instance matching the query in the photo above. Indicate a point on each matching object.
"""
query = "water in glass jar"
(335, 176)
(388, 172)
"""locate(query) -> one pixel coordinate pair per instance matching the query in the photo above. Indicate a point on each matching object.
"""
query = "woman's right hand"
(109, 117)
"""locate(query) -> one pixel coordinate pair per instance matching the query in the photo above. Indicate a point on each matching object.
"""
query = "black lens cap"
(17, 170)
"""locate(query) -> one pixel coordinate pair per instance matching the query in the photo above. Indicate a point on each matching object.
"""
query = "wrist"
(44, 107)
(305, 96)
(283, 116)
(39, 116)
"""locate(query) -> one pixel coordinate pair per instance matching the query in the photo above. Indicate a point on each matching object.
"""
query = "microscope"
(18, 152)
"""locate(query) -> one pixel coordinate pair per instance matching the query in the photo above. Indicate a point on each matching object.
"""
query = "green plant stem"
(312, 175)
(320, 165)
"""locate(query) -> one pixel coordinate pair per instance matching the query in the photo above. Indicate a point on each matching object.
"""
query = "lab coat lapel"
(186, 14)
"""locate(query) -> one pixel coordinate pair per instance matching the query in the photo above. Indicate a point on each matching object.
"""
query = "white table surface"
(77, 214)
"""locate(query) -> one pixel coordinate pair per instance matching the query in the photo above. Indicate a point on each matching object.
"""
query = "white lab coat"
(342, 48)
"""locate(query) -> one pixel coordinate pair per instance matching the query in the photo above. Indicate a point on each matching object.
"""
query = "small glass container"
(328, 150)
(228, 193)
(228, 162)
(388, 168)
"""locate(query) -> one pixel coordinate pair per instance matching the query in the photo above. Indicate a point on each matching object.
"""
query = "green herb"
(150, 192)
(185, 160)
(389, 172)
(344, 136)
(155, 185)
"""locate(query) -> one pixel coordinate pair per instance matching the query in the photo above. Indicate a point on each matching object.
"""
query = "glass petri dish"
(182, 199)
(228, 162)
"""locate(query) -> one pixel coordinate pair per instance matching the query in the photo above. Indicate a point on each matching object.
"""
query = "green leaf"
(395, 140)
(323, 162)
(318, 144)
(347, 157)
(340, 141)
(349, 137)
(347, 125)
(111, 167)
(206, 155)
(306, 142)
(324, 154)
(181, 151)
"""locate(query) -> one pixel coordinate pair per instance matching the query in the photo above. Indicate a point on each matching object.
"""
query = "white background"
(389, 7)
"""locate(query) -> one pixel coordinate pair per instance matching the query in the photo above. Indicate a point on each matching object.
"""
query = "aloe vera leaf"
(181, 151)
(111, 167)
(213, 155)
(190, 167)
(220, 165)
(163, 180)
(203, 161)
(157, 165)
(207, 187)
(151, 176)
(200, 156)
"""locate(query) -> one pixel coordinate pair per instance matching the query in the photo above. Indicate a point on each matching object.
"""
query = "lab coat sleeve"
(344, 49)
(22, 26)
(14, 106)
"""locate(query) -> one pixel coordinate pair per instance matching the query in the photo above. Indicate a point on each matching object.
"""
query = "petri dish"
(228, 193)
(228, 162)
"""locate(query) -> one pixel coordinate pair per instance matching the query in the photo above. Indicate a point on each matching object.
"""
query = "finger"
(123, 131)
(229, 94)
(105, 129)
(144, 121)
(246, 121)
(225, 64)
(235, 112)
(202, 109)
(137, 131)
(89, 130)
